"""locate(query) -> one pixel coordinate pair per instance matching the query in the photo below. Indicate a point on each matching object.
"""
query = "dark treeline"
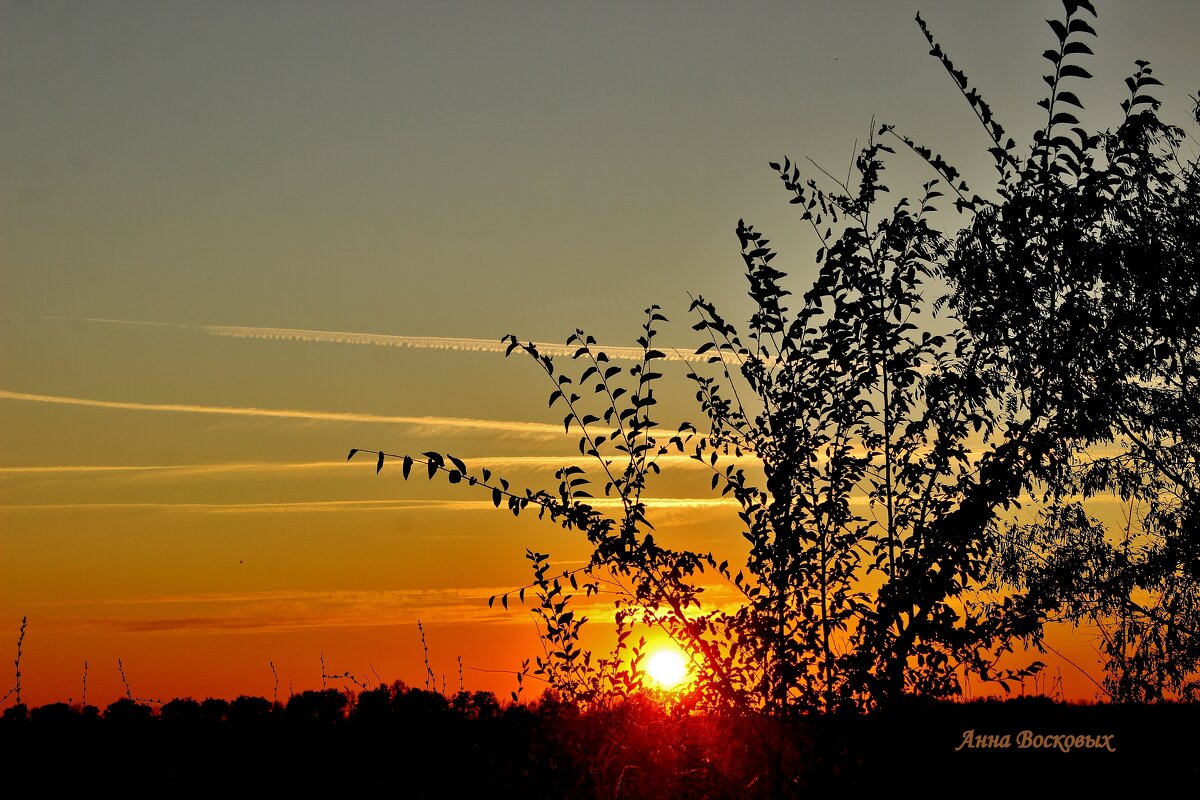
(419, 743)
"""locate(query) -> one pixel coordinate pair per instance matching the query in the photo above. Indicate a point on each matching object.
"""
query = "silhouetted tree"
(420, 704)
(214, 710)
(16, 712)
(53, 714)
(373, 705)
(890, 457)
(182, 710)
(328, 706)
(246, 709)
(128, 712)
(1082, 278)
(476, 705)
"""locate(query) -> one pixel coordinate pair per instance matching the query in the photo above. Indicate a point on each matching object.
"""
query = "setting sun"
(667, 667)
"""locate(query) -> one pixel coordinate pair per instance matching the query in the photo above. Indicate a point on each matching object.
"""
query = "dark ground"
(410, 743)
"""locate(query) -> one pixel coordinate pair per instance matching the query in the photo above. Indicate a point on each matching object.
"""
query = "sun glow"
(667, 667)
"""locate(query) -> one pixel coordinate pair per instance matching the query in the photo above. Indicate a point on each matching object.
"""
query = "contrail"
(492, 462)
(49, 469)
(456, 343)
(501, 426)
(310, 506)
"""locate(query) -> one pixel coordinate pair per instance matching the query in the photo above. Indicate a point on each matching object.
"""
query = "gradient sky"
(202, 205)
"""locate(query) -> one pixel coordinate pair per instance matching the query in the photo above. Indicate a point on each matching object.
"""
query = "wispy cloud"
(82, 468)
(279, 610)
(667, 507)
(310, 506)
(269, 611)
(674, 461)
(189, 469)
(304, 507)
(335, 596)
(496, 426)
(455, 343)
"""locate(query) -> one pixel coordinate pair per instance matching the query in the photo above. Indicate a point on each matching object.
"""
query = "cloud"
(674, 461)
(57, 469)
(454, 343)
(291, 610)
(304, 507)
(311, 506)
(188, 469)
(282, 610)
(536, 429)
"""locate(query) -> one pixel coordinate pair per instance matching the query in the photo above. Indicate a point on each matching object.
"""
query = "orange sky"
(330, 217)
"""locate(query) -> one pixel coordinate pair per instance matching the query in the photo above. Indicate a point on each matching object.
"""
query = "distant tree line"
(423, 744)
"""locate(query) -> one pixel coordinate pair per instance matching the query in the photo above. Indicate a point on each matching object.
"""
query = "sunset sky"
(238, 239)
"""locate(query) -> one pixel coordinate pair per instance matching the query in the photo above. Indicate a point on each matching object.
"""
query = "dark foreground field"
(400, 742)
